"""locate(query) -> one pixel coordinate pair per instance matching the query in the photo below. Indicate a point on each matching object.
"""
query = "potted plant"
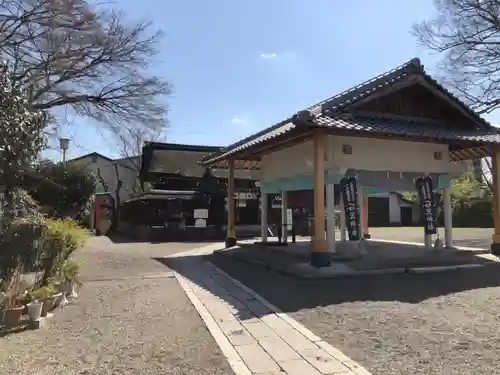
(45, 296)
(11, 304)
(34, 310)
(70, 273)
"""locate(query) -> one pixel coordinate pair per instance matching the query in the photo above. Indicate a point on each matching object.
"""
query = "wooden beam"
(389, 89)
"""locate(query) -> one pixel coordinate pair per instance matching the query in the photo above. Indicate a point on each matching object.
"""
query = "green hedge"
(473, 213)
(59, 239)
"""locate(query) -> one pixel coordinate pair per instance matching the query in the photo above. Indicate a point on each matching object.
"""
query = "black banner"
(426, 195)
(349, 191)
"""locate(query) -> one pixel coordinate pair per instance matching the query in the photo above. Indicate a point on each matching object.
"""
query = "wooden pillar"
(319, 255)
(231, 237)
(495, 179)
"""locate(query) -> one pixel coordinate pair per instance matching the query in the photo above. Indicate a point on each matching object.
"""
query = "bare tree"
(69, 53)
(466, 33)
(130, 143)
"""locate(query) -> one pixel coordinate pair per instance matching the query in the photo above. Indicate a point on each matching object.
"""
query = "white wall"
(387, 155)
(288, 162)
(108, 173)
(367, 154)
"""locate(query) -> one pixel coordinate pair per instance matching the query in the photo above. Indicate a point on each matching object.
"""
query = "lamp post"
(64, 145)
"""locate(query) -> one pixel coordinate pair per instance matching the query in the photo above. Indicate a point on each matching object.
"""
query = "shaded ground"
(443, 323)
(122, 323)
(467, 237)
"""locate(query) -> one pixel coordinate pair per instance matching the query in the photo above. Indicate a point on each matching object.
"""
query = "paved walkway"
(255, 336)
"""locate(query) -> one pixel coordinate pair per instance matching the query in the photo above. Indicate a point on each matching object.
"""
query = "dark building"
(181, 186)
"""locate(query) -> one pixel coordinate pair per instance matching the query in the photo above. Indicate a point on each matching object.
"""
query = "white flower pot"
(34, 310)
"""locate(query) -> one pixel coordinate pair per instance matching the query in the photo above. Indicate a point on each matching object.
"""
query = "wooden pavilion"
(389, 130)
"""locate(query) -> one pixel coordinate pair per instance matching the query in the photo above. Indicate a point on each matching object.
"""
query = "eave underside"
(250, 158)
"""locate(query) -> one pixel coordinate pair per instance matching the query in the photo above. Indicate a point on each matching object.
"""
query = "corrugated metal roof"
(401, 127)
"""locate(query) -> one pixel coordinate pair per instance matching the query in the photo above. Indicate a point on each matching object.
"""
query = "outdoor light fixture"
(347, 149)
(64, 145)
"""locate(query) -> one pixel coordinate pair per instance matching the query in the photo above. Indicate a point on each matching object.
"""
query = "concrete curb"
(360, 273)
(422, 245)
(353, 273)
(435, 269)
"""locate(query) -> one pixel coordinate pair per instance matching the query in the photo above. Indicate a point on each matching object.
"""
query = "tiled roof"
(367, 88)
(325, 114)
(260, 137)
(401, 127)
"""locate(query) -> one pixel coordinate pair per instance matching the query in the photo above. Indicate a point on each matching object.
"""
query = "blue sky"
(239, 66)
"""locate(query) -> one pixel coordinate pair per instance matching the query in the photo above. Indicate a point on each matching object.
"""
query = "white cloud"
(268, 55)
(239, 120)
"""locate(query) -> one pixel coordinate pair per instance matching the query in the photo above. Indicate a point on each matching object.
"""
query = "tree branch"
(69, 53)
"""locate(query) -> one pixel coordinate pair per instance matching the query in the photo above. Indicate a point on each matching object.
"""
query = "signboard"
(289, 218)
(244, 195)
(425, 193)
(276, 201)
(200, 223)
(349, 191)
(200, 213)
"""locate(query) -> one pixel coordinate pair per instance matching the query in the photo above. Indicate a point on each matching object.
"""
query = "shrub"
(70, 271)
(43, 293)
(60, 238)
(62, 189)
(19, 243)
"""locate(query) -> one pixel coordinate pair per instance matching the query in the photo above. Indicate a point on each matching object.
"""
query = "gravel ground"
(443, 323)
(125, 326)
(102, 259)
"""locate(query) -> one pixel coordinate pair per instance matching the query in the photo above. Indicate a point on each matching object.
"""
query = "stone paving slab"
(255, 336)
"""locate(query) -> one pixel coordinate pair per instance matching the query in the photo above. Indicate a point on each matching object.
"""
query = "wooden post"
(231, 237)
(495, 179)
(319, 255)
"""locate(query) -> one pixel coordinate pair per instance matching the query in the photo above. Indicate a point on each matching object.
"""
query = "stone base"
(230, 242)
(367, 236)
(495, 248)
(320, 259)
(271, 243)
